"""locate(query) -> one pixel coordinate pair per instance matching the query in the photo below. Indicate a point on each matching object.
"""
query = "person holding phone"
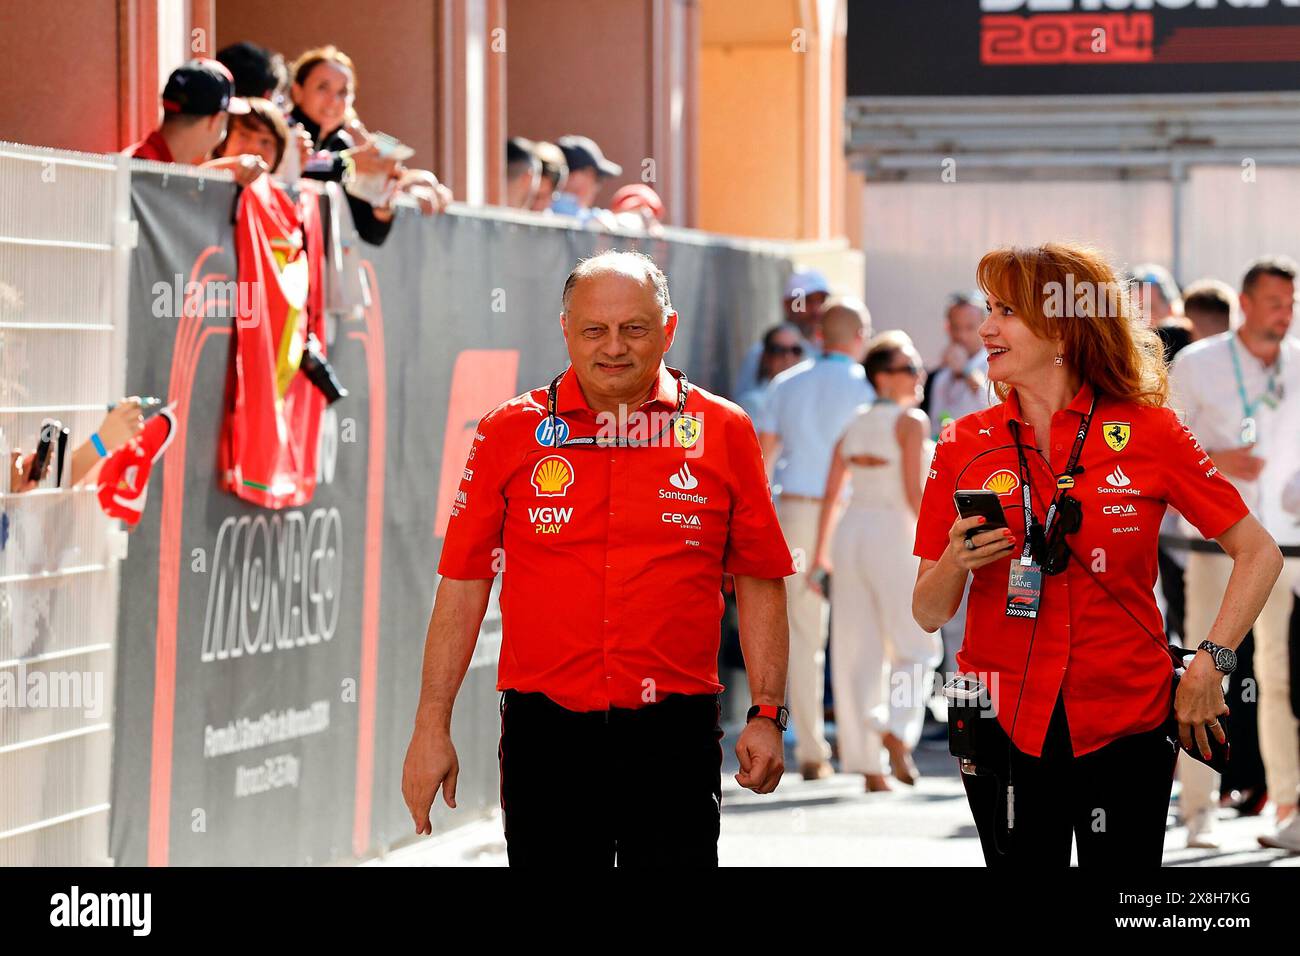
(882, 455)
(122, 423)
(1085, 455)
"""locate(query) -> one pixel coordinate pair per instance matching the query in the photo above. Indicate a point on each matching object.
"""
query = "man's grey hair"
(621, 261)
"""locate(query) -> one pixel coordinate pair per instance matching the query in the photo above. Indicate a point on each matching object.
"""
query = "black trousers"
(642, 786)
(1114, 800)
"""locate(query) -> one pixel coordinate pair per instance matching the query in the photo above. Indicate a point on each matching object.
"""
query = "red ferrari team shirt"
(612, 559)
(153, 147)
(1098, 637)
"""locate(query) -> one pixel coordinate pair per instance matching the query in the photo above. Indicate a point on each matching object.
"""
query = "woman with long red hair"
(1083, 456)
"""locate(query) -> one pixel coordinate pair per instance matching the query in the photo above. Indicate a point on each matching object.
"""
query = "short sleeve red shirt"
(1098, 638)
(612, 559)
(153, 147)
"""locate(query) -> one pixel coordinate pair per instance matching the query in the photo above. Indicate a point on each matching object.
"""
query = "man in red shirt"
(613, 503)
(197, 101)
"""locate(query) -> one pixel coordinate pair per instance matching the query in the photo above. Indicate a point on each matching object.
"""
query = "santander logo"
(1117, 478)
(683, 479)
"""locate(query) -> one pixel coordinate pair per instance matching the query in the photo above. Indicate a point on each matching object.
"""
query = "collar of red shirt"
(154, 147)
(1080, 404)
(569, 397)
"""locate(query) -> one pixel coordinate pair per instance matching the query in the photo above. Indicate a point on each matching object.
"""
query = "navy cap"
(201, 87)
(582, 153)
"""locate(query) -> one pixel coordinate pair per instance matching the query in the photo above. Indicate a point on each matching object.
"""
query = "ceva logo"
(674, 517)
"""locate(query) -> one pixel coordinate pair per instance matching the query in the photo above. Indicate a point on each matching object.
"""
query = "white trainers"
(1200, 830)
(1286, 836)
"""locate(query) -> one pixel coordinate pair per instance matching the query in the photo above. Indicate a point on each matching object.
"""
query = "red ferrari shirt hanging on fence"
(268, 453)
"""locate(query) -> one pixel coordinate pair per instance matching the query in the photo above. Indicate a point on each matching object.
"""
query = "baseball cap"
(580, 152)
(635, 196)
(201, 87)
(123, 483)
(807, 281)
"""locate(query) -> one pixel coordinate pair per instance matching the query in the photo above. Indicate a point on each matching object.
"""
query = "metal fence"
(65, 236)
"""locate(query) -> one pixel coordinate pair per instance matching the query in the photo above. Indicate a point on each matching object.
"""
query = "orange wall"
(751, 147)
(60, 84)
(392, 42)
(579, 66)
(752, 150)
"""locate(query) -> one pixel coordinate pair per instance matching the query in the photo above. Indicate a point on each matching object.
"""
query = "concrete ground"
(833, 822)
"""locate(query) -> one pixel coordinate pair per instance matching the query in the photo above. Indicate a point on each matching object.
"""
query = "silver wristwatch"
(1225, 660)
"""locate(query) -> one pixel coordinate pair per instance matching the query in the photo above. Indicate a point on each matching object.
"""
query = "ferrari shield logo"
(687, 430)
(1116, 434)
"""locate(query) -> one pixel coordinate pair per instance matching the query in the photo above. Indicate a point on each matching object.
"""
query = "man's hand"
(430, 763)
(1238, 462)
(761, 755)
(245, 167)
(1199, 702)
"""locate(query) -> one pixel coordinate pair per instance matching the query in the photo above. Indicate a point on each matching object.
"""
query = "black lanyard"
(620, 442)
(1025, 558)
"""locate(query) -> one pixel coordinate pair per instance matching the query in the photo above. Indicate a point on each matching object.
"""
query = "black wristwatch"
(781, 715)
(1225, 660)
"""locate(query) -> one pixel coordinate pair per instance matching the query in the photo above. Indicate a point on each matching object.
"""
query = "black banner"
(1019, 47)
(268, 664)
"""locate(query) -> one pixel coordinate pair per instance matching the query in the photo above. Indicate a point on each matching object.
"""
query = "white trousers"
(881, 661)
(808, 612)
(1279, 732)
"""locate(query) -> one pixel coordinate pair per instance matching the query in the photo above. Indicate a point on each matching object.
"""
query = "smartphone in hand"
(980, 502)
(50, 429)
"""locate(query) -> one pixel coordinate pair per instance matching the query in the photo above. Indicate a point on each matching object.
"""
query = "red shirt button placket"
(604, 637)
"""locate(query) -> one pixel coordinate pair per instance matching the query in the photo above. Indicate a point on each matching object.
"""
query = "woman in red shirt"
(1084, 456)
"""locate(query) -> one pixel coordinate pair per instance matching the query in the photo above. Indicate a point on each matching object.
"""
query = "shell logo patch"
(687, 430)
(552, 476)
(1117, 434)
(1003, 482)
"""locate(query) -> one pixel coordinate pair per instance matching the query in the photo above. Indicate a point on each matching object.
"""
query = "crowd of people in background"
(248, 112)
(567, 177)
(848, 421)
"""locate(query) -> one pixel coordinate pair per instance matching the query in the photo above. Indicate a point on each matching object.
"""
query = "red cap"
(124, 478)
(635, 196)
